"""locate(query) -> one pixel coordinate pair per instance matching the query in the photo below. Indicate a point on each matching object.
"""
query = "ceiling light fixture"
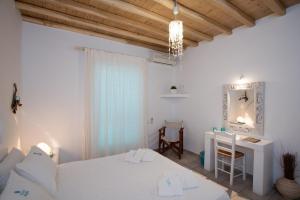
(176, 34)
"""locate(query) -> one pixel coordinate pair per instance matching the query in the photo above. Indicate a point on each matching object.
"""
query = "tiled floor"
(241, 190)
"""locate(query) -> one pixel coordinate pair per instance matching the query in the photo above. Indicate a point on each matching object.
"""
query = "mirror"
(243, 107)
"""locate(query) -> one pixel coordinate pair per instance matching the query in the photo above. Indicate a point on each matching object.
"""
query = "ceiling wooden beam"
(127, 7)
(91, 33)
(276, 6)
(93, 12)
(86, 23)
(233, 11)
(195, 16)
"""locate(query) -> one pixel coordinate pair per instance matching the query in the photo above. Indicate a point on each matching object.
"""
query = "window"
(116, 103)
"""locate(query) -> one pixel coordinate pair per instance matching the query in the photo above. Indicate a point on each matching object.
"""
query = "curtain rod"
(84, 48)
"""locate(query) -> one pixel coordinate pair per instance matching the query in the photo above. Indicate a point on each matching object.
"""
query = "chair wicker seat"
(168, 140)
(228, 154)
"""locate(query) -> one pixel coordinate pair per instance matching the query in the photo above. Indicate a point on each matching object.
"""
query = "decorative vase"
(174, 91)
(290, 189)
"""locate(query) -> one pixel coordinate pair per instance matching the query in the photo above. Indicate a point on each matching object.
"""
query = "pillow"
(39, 168)
(19, 188)
(9, 163)
(3, 153)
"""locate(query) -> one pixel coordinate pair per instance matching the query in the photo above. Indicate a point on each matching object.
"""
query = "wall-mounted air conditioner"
(162, 58)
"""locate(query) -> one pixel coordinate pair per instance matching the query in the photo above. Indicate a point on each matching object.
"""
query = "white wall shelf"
(174, 96)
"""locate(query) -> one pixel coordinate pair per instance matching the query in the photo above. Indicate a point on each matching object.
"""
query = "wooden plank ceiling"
(145, 22)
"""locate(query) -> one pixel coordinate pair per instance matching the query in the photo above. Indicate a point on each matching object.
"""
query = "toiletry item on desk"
(222, 129)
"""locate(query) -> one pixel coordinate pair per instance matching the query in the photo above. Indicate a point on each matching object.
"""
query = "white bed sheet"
(110, 178)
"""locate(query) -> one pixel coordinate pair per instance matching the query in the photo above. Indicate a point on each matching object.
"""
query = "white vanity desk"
(262, 161)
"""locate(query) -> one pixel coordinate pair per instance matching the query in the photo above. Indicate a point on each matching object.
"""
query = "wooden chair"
(226, 154)
(176, 142)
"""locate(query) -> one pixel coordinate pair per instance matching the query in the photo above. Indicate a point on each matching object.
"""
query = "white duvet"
(111, 178)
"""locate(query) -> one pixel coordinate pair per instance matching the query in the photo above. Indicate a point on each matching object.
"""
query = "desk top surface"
(240, 140)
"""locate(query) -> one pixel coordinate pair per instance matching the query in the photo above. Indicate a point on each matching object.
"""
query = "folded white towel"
(169, 185)
(135, 156)
(140, 155)
(186, 178)
(130, 157)
(149, 155)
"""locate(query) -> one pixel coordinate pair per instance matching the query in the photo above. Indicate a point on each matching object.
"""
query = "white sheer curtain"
(115, 103)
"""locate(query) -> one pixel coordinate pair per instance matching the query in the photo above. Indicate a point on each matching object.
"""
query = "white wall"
(270, 52)
(53, 83)
(52, 77)
(159, 81)
(10, 70)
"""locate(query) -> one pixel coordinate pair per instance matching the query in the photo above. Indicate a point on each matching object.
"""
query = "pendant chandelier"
(176, 34)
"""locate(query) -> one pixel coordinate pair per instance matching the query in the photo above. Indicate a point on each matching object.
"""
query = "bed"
(111, 178)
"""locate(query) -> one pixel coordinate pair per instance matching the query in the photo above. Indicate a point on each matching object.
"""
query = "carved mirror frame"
(259, 97)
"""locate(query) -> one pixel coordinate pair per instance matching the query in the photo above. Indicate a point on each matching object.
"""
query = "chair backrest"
(225, 141)
(174, 125)
(172, 129)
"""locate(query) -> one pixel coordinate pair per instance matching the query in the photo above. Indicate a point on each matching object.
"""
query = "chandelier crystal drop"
(176, 38)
